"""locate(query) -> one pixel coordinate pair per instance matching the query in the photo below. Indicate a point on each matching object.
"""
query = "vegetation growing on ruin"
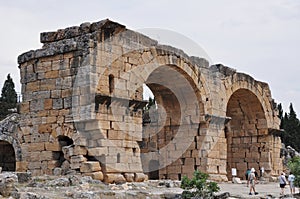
(294, 166)
(198, 186)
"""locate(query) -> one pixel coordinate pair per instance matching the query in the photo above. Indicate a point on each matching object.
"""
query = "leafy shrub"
(294, 166)
(198, 186)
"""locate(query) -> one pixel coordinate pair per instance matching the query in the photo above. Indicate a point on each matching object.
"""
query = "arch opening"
(7, 156)
(245, 133)
(63, 141)
(111, 83)
(170, 125)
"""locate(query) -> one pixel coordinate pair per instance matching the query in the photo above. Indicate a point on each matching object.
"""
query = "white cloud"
(253, 36)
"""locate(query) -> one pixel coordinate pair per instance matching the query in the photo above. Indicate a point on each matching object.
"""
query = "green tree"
(198, 186)
(8, 99)
(280, 115)
(146, 114)
(294, 166)
(150, 103)
(291, 126)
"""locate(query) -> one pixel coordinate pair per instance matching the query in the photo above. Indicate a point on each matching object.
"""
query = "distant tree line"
(291, 126)
(8, 99)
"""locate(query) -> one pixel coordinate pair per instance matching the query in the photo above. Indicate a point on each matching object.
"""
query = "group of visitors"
(251, 177)
(283, 182)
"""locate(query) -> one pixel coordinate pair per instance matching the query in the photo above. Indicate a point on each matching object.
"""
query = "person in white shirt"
(291, 180)
(252, 181)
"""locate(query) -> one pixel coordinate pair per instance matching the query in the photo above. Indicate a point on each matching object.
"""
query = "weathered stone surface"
(7, 184)
(89, 166)
(57, 171)
(83, 101)
(23, 177)
(236, 180)
(114, 178)
(139, 177)
(61, 182)
(129, 177)
(98, 175)
(76, 161)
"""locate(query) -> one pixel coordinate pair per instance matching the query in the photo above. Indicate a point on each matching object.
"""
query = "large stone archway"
(170, 135)
(170, 139)
(90, 79)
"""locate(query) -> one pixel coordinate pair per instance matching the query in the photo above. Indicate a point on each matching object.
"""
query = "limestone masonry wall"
(83, 110)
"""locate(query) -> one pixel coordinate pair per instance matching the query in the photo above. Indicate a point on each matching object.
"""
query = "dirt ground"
(265, 190)
(73, 186)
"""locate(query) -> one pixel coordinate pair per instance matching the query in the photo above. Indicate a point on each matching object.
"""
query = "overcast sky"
(257, 37)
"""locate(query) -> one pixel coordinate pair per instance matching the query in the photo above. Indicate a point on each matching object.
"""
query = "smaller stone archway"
(10, 149)
(245, 133)
(170, 136)
(7, 156)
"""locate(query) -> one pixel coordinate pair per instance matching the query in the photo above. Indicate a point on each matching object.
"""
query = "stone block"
(172, 169)
(47, 84)
(21, 166)
(76, 161)
(116, 135)
(80, 150)
(114, 178)
(32, 86)
(34, 165)
(34, 156)
(67, 102)
(23, 177)
(40, 146)
(68, 152)
(55, 94)
(51, 119)
(97, 151)
(53, 146)
(57, 171)
(129, 177)
(189, 161)
(90, 166)
(46, 155)
(112, 168)
(187, 168)
(140, 177)
(48, 104)
(51, 164)
(24, 107)
(51, 74)
(57, 103)
(65, 166)
(236, 180)
(98, 175)
(36, 105)
(45, 128)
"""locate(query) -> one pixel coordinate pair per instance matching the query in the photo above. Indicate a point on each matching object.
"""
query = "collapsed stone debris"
(82, 111)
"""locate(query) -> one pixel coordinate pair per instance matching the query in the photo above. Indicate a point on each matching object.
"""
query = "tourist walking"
(282, 182)
(291, 180)
(252, 182)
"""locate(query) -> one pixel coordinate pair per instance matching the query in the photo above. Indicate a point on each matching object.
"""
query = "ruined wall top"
(76, 31)
(78, 38)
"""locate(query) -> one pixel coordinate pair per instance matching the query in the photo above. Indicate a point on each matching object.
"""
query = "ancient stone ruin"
(83, 111)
